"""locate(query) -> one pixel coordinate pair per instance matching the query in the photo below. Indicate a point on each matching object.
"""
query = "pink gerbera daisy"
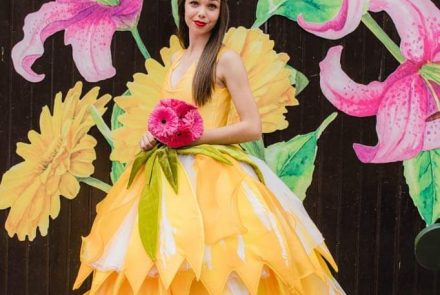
(163, 122)
(194, 122)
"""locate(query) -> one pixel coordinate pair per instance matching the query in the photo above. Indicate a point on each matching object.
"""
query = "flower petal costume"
(404, 101)
(89, 27)
(223, 231)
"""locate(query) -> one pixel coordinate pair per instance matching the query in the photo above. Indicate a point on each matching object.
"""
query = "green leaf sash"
(162, 160)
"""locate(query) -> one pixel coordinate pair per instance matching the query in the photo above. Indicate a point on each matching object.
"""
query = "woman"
(224, 232)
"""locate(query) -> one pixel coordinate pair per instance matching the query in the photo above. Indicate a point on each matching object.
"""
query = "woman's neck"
(196, 44)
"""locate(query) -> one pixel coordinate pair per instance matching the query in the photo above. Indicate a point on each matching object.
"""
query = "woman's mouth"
(200, 24)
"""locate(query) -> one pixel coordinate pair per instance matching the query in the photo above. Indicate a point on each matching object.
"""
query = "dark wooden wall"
(364, 211)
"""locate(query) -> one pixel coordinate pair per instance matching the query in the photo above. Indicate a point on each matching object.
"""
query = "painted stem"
(140, 44)
(102, 127)
(96, 183)
(380, 34)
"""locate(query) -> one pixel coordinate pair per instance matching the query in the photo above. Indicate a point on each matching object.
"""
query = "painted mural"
(59, 157)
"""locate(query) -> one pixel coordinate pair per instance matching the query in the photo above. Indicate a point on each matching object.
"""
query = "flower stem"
(140, 44)
(380, 34)
(96, 183)
(102, 127)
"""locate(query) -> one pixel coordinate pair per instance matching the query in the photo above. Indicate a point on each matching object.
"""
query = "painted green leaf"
(149, 206)
(175, 9)
(255, 148)
(168, 162)
(294, 161)
(422, 175)
(298, 79)
(312, 10)
(117, 167)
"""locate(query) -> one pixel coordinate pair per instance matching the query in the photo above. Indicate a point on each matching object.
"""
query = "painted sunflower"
(53, 160)
(268, 79)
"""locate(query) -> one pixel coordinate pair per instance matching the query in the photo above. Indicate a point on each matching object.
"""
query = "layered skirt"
(223, 232)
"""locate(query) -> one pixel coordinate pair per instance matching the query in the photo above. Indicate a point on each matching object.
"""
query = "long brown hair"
(204, 78)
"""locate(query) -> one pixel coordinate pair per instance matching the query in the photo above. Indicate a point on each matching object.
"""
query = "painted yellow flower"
(268, 78)
(53, 160)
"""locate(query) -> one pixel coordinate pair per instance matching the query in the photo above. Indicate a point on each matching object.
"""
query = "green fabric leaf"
(255, 148)
(175, 10)
(241, 156)
(422, 175)
(298, 79)
(168, 162)
(207, 150)
(117, 167)
(313, 10)
(294, 161)
(149, 206)
(141, 159)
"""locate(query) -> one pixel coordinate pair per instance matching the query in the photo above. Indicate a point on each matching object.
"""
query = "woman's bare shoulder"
(229, 61)
(228, 56)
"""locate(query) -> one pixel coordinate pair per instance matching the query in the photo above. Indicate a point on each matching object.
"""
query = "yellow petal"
(69, 186)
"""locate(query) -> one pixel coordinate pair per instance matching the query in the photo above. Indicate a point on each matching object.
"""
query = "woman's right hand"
(147, 141)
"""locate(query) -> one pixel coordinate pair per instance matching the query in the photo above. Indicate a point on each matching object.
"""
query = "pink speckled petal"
(345, 22)
(126, 15)
(418, 24)
(400, 123)
(38, 26)
(432, 131)
(432, 136)
(345, 94)
(91, 39)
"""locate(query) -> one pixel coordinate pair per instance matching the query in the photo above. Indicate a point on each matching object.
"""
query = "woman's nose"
(202, 13)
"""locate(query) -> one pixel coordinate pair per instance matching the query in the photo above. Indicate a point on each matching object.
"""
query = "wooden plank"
(5, 127)
(363, 210)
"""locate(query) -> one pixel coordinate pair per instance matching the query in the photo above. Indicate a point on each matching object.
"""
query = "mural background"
(364, 211)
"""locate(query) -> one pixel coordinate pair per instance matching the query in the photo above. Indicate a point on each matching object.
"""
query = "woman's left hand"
(147, 141)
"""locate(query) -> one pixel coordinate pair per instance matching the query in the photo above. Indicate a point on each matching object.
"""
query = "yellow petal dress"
(225, 232)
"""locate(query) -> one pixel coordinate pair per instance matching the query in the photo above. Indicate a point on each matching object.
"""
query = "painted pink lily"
(345, 22)
(89, 27)
(407, 98)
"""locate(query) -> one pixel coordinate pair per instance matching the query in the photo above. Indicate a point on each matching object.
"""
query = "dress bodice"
(215, 112)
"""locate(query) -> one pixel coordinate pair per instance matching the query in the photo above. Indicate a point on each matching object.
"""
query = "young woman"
(224, 232)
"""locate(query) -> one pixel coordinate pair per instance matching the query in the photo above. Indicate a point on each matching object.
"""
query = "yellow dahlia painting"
(54, 159)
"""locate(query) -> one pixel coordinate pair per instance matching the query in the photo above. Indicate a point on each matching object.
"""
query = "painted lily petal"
(126, 14)
(400, 123)
(91, 39)
(345, 94)
(418, 24)
(345, 22)
(432, 131)
(38, 26)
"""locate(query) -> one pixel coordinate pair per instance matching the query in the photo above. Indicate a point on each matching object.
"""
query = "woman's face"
(201, 15)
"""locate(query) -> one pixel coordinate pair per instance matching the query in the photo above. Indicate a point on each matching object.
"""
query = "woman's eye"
(212, 6)
(193, 3)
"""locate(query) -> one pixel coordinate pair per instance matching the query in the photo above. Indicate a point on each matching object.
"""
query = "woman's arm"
(231, 71)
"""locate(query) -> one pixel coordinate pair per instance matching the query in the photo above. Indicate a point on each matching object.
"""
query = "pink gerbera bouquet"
(175, 123)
